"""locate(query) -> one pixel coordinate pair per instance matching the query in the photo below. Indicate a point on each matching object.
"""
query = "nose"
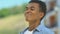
(28, 11)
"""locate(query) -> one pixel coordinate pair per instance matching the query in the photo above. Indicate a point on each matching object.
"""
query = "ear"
(41, 14)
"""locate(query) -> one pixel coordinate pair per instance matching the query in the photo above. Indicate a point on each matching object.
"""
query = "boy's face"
(32, 12)
(52, 4)
(52, 19)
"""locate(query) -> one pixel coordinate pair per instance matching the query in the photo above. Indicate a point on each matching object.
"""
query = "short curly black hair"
(41, 4)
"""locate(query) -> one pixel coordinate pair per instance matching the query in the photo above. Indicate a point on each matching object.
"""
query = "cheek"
(36, 15)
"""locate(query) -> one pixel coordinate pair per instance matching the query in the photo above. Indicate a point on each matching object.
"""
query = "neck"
(33, 24)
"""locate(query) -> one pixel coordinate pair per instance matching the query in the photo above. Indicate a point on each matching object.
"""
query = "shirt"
(28, 32)
(41, 29)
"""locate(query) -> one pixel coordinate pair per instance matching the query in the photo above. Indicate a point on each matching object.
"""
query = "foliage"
(12, 11)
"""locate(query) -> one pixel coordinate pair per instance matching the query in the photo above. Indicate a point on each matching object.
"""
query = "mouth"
(28, 14)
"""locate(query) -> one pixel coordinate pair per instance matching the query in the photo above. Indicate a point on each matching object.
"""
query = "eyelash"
(30, 9)
(26, 9)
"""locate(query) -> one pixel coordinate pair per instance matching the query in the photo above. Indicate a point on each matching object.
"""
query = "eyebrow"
(31, 7)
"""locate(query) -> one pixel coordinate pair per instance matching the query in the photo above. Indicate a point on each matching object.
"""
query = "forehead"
(33, 5)
(52, 2)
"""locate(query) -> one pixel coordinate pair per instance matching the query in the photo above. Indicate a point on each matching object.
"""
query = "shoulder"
(48, 31)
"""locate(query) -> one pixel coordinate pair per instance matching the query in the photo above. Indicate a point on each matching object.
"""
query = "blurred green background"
(12, 17)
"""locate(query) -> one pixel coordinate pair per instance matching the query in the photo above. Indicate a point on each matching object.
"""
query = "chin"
(28, 20)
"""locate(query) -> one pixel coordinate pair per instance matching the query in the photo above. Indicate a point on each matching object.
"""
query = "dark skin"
(33, 15)
(52, 4)
(52, 20)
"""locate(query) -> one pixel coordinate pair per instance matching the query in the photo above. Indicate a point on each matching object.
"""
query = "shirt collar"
(41, 26)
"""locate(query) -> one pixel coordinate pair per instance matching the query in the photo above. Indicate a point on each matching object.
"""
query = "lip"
(28, 14)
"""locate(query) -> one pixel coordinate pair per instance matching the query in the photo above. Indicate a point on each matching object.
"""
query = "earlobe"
(41, 14)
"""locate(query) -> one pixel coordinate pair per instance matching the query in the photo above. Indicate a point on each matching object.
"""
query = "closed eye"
(32, 8)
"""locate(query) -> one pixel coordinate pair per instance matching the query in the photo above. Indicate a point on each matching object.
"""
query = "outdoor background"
(12, 16)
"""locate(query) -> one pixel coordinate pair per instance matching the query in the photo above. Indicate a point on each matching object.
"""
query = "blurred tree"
(13, 10)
